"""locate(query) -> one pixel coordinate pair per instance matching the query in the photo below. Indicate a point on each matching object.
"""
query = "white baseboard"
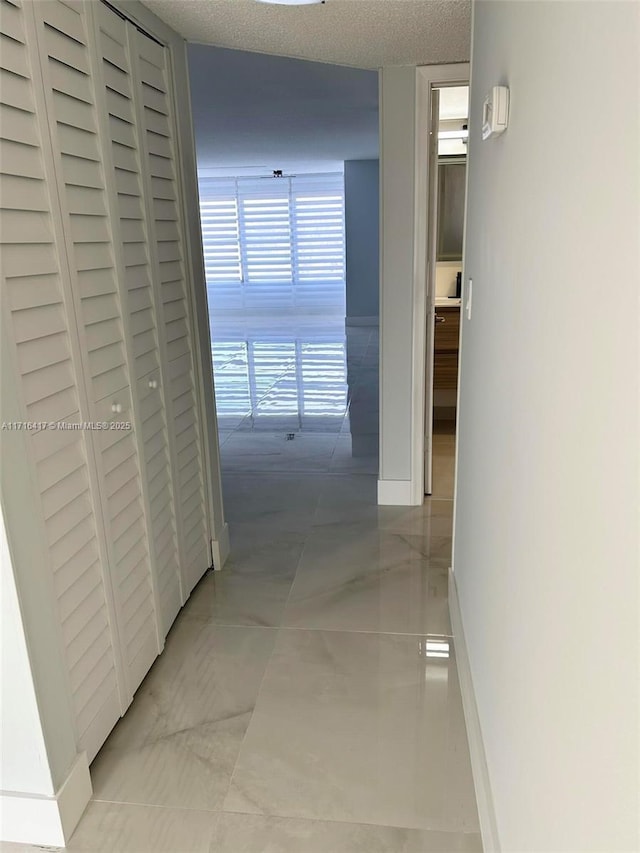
(361, 321)
(221, 548)
(33, 819)
(396, 493)
(481, 782)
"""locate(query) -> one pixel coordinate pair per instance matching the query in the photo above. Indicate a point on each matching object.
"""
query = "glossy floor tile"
(307, 699)
(178, 742)
(254, 587)
(122, 828)
(356, 577)
(444, 448)
(282, 501)
(278, 451)
(355, 454)
(358, 727)
(241, 833)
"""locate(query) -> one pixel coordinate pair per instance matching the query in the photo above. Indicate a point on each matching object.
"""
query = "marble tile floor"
(307, 700)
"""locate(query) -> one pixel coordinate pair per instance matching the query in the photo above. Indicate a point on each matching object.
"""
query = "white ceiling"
(278, 113)
(360, 33)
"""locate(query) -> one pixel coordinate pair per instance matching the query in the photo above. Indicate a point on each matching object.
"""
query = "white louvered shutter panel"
(220, 225)
(176, 331)
(274, 244)
(70, 92)
(140, 303)
(266, 245)
(317, 211)
(36, 320)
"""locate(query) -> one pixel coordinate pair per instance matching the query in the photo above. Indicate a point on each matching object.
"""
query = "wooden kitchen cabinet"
(446, 341)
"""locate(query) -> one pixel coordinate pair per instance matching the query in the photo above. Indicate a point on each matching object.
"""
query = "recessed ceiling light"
(291, 2)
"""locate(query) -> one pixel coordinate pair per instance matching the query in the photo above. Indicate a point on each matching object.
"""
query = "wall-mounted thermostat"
(495, 112)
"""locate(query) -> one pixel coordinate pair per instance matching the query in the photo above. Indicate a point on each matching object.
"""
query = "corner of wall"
(33, 819)
(398, 493)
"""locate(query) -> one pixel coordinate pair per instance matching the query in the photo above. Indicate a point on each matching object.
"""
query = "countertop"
(447, 302)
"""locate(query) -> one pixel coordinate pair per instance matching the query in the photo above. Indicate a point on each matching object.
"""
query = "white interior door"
(176, 325)
(37, 314)
(90, 247)
(432, 241)
(98, 325)
(123, 154)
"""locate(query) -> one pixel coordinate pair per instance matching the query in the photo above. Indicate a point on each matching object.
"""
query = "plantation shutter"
(221, 242)
(38, 319)
(162, 191)
(274, 244)
(317, 205)
(141, 303)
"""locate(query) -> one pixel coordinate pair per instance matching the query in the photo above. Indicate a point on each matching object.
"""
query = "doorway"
(442, 131)
(450, 114)
(287, 166)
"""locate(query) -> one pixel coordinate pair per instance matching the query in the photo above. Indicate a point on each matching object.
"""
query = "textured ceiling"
(279, 113)
(360, 33)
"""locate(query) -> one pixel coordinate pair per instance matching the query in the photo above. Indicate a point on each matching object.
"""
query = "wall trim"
(361, 321)
(221, 547)
(33, 819)
(397, 493)
(481, 780)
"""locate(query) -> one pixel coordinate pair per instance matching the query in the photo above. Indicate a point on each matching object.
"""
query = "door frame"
(427, 78)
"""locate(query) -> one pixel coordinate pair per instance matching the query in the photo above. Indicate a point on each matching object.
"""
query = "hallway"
(307, 699)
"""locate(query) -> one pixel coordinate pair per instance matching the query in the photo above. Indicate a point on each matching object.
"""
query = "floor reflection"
(277, 382)
(289, 378)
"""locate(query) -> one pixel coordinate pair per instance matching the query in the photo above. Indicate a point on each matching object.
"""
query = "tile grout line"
(277, 816)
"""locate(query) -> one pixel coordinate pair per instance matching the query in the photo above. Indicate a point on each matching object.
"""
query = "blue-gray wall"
(362, 224)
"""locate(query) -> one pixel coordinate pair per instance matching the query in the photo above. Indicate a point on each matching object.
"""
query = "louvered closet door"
(70, 94)
(162, 189)
(35, 319)
(140, 303)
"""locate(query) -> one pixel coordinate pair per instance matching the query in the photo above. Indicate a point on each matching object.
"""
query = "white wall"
(27, 579)
(546, 533)
(362, 225)
(44, 782)
(397, 184)
(24, 764)
(446, 272)
(273, 112)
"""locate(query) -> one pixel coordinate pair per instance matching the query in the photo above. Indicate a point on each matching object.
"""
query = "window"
(274, 244)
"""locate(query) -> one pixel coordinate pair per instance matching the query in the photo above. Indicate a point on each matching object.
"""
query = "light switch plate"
(495, 112)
